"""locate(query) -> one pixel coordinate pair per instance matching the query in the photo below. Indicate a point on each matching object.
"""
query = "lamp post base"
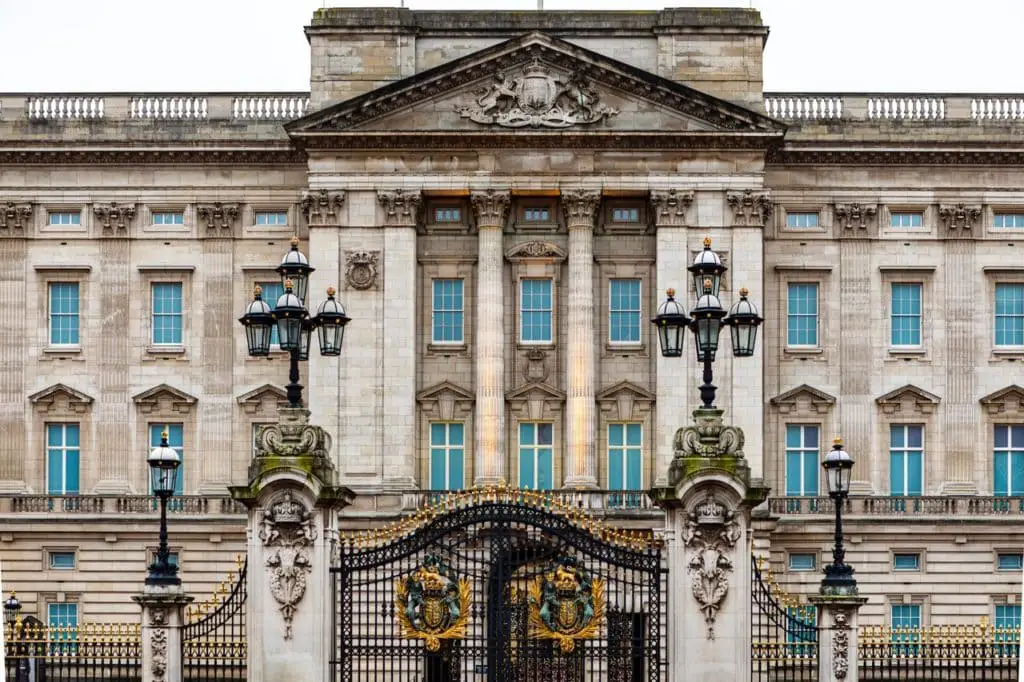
(838, 581)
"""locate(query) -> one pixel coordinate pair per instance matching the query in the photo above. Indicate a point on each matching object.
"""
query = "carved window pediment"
(908, 400)
(259, 400)
(446, 401)
(60, 398)
(535, 401)
(1006, 402)
(536, 250)
(625, 401)
(164, 398)
(803, 399)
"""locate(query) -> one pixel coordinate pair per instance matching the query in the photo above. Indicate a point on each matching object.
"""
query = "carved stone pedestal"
(837, 637)
(707, 507)
(163, 615)
(293, 502)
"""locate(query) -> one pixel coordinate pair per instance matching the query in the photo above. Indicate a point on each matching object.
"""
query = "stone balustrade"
(617, 501)
(935, 108)
(938, 506)
(229, 106)
(190, 505)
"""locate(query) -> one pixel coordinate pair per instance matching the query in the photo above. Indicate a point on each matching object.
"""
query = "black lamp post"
(12, 609)
(707, 319)
(294, 324)
(163, 468)
(838, 466)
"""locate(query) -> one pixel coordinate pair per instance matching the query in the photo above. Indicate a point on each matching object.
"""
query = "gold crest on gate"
(433, 603)
(566, 605)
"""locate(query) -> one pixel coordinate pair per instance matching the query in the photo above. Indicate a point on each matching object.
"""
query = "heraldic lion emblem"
(566, 605)
(433, 604)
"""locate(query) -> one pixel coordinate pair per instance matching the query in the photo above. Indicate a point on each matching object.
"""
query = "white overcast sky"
(215, 45)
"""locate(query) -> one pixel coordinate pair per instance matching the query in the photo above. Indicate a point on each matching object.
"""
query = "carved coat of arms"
(537, 99)
(433, 603)
(566, 605)
(287, 530)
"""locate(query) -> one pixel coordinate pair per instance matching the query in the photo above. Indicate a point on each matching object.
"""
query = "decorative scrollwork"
(709, 437)
(287, 530)
(566, 605)
(433, 603)
(711, 532)
(361, 271)
(841, 646)
(293, 439)
(158, 649)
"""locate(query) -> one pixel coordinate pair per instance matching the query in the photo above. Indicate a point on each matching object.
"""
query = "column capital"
(580, 207)
(321, 206)
(401, 207)
(491, 207)
(670, 206)
(750, 208)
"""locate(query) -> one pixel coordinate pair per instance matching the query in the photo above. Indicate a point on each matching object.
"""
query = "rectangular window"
(1012, 220)
(803, 220)
(804, 561)
(801, 630)
(906, 459)
(63, 450)
(906, 562)
(271, 217)
(64, 313)
(1010, 561)
(906, 623)
(1008, 468)
(169, 218)
(270, 292)
(625, 461)
(624, 311)
(537, 214)
(447, 311)
(626, 214)
(802, 460)
(802, 315)
(63, 619)
(1007, 616)
(535, 311)
(65, 218)
(62, 561)
(447, 456)
(175, 439)
(167, 314)
(1010, 314)
(906, 219)
(536, 444)
(906, 314)
(447, 214)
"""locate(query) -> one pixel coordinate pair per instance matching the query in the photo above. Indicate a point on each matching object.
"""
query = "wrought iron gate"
(499, 586)
(784, 637)
(214, 645)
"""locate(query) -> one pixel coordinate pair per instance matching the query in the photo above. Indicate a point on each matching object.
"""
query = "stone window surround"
(453, 267)
(42, 218)
(988, 218)
(549, 408)
(462, 226)
(161, 274)
(287, 207)
(929, 218)
(995, 412)
(798, 407)
(164, 407)
(922, 561)
(817, 552)
(44, 599)
(820, 275)
(903, 409)
(60, 404)
(520, 202)
(258, 406)
(624, 268)
(56, 273)
(633, 408)
(543, 267)
(921, 600)
(446, 402)
(907, 274)
(187, 209)
(58, 573)
(608, 206)
(996, 551)
(994, 276)
(824, 220)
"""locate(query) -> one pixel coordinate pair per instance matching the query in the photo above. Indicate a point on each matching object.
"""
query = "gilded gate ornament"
(566, 605)
(433, 603)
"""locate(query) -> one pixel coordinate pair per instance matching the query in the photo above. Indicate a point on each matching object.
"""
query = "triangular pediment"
(535, 391)
(803, 398)
(60, 396)
(268, 395)
(442, 390)
(171, 397)
(445, 401)
(616, 390)
(625, 401)
(528, 85)
(909, 398)
(1005, 401)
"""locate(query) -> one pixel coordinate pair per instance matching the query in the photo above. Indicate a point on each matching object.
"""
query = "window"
(802, 315)
(447, 455)
(61, 561)
(64, 313)
(804, 561)
(906, 621)
(906, 314)
(535, 311)
(1008, 220)
(906, 219)
(65, 218)
(175, 439)
(168, 218)
(537, 214)
(624, 311)
(1008, 469)
(447, 214)
(1007, 616)
(801, 220)
(447, 311)
(801, 630)
(1010, 561)
(172, 557)
(906, 459)
(1010, 314)
(167, 314)
(1007, 629)
(63, 619)
(802, 460)
(625, 462)
(62, 455)
(271, 292)
(626, 214)
(906, 562)
(269, 218)
(535, 454)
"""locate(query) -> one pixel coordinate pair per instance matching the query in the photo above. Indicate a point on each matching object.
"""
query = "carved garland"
(287, 531)
(158, 649)
(218, 215)
(750, 209)
(841, 646)
(711, 532)
(959, 216)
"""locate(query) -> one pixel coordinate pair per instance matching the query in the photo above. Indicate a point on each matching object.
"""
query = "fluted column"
(491, 208)
(580, 207)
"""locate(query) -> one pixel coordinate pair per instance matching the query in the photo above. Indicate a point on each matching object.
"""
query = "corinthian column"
(491, 208)
(580, 206)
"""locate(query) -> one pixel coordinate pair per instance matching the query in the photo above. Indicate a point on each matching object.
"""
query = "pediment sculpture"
(537, 99)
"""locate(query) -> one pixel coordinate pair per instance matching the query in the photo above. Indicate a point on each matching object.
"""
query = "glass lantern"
(743, 322)
(295, 267)
(331, 320)
(258, 321)
(671, 322)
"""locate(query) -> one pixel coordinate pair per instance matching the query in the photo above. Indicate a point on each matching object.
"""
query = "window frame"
(893, 315)
(1007, 552)
(536, 446)
(1012, 347)
(257, 212)
(918, 555)
(803, 450)
(1018, 215)
(524, 204)
(180, 314)
(550, 310)
(448, 448)
(173, 224)
(75, 215)
(810, 553)
(624, 452)
(639, 312)
(153, 430)
(461, 311)
(910, 212)
(64, 450)
(817, 315)
(55, 551)
(51, 315)
(1009, 450)
(275, 341)
(789, 224)
(906, 451)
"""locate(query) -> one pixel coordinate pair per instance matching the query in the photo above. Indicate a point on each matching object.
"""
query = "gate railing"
(939, 652)
(213, 641)
(784, 635)
(89, 651)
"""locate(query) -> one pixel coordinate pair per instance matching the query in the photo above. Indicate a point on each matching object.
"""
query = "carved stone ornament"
(535, 249)
(400, 207)
(841, 646)
(855, 216)
(749, 208)
(158, 650)
(580, 207)
(320, 206)
(710, 532)
(959, 217)
(15, 216)
(114, 217)
(490, 207)
(535, 369)
(158, 616)
(293, 438)
(670, 207)
(287, 531)
(709, 437)
(361, 272)
(536, 98)
(218, 215)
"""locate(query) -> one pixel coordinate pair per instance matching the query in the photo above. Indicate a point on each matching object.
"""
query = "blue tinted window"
(447, 311)
(167, 307)
(62, 560)
(535, 455)
(447, 455)
(624, 311)
(271, 292)
(906, 314)
(802, 460)
(906, 459)
(1009, 315)
(64, 313)
(1012, 220)
(1008, 616)
(169, 218)
(1008, 467)
(802, 315)
(625, 456)
(63, 451)
(271, 218)
(535, 311)
(906, 220)
(906, 615)
(801, 220)
(1010, 561)
(906, 562)
(65, 218)
(802, 562)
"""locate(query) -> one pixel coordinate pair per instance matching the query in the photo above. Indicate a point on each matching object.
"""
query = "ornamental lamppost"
(706, 320)
(838, 466)
(294, 324)
(12, 609)
(163, 469)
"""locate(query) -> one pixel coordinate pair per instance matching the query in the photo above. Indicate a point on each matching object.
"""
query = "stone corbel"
(321, 206)
(670, 207)
(959, 217)
(14, 217)
(401, 207)
(115, 218)
(490, 207)
(218, 216)
(580, 207)
(855, 216)
(749, 208)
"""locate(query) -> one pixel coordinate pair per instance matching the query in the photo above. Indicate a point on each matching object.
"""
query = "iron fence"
(213, 641)
(91, 651)
(784, 634)
(939, 652)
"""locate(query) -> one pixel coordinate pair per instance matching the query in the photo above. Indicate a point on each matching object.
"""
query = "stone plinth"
(163, 616)
(837, 637)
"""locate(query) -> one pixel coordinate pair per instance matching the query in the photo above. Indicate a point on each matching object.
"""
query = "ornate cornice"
(989, 156)
(490, 207)
(28, 156)
(401, 207)
(218, 216)
(580, 207)
(321, 206)
(670, 207)
(114, 218)
(750, 208)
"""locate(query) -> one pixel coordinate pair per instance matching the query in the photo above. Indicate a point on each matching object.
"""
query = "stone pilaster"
(14, 337)
(837, 637)
(163, 615)
(855, 356)
(959, 411)
(580, 207)
(216, 418)
(491, 210)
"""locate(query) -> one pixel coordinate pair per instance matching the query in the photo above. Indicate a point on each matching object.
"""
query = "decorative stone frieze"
(580, 207)
(401, 207)
(293, 437)
(711, 532)
(536, 249)
(362, 269)
(287, 530)
(14, 217)
(749, 208)
(625, 401)
(670, 207)
(855, 216)
(491, 207)
(321, 206)
(220, 217)
(708, 437)
(959, 217)
(113, 217)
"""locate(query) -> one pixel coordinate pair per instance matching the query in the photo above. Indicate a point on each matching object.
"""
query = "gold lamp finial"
(164, 435)
(670, 292)
(331, 291)
(257, 291)
(837, 441)
(707, 283)
(707, 242)
(744, 292)
(295, 242)
(288, 285)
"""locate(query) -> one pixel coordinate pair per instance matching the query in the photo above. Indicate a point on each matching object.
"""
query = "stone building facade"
(502, 200)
